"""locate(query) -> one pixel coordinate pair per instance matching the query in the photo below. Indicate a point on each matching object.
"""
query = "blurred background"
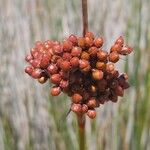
(32, 120)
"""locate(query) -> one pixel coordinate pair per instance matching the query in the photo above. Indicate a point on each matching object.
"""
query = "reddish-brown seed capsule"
(28, 57)
(92, 103)
(58, 49)
(67, 56)
(98, 42)
(110, 67)
(84, 108)
(113, 57)
(65, 65)
(59, 61)
(48, 44)
(64, 84)
(100, 65)
(85, 55)
(35, 63)
(55, 58)
(91, 113)
(77, 108)
(83, 63)
(89, 34)
(55, 91)
(102, 55)
(97, 74)
(81, 42)
(88, 42)
(76, 98)
(74, 62)
(45, 61)
(120, 41)
(116, 48)
(73, 39)
(92, 51)
(29, 70)
(67, 46)
(36, 73)
(86, 69)
(56, 78)
(76, 51)
(52, 69)
(35, 54)
(125, 50)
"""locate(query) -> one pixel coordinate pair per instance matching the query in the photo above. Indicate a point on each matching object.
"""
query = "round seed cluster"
(80, 68)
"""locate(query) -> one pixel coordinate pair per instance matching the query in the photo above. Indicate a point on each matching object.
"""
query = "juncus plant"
(82, 69)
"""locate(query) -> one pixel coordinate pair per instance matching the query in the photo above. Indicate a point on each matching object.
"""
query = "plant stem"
(81, 117)
(85, 16)
(81, 126)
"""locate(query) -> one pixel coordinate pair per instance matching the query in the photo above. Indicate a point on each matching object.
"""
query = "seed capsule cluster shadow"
(80, 68)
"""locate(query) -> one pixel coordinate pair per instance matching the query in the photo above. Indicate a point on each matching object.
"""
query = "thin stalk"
(81, 117)
(81, 130)
(85, 16)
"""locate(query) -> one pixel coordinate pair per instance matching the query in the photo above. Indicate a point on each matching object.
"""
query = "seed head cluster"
(80, 68)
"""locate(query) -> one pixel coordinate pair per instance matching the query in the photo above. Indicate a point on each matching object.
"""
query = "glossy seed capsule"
(76, 51)
(67, 46)
(120, 41)
(116, 48)
(29, 70)
(97, 74)
(102, 55)
(81, 42)
(76, 98)
(98, 42)
(77, 108)
(110, 67)
(74, 62)
(56, 78)
(92, 103)
(113, 57)
(52, 69)
(73, 39)
(55, 91)
(84, 108)
(91, 113)
(65, 65)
